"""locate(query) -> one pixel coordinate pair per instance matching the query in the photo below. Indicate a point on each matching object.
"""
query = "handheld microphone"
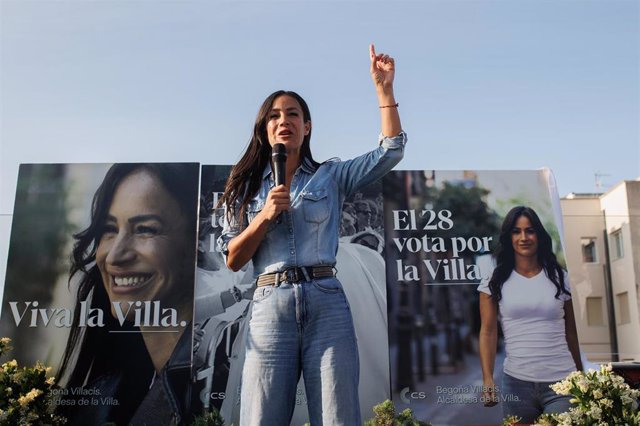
(279, 157)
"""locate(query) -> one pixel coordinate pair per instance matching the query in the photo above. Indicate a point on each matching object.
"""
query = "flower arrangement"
(511, 420)
(600, 398)
(385, 415)
(212, 418)
(25, 393)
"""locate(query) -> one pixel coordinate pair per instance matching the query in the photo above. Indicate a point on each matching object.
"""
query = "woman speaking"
(301, 321)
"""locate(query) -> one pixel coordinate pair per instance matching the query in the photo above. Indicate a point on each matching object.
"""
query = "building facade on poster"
(602, 237)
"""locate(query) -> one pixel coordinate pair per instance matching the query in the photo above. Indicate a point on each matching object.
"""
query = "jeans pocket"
(329, 286)
(262, 293)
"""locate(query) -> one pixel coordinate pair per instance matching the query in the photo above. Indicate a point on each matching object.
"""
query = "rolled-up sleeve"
(367, 168)
(230, 230)
(484, 287)
(393, 142)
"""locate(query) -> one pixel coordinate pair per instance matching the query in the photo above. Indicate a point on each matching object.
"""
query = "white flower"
(562, 388)
(573, 375)
(30, 396)
(625, 399)
(595, 412)
(618, 380)
(583, 384)
(606, 402)
(13, 363)
(564, 419)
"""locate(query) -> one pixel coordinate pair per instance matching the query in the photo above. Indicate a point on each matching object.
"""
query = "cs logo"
(204, 395)
(406, 395)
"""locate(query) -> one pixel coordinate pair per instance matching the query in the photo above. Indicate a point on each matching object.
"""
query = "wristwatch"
(236, 293)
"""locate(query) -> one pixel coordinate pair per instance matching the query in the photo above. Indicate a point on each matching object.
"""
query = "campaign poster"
(441, 230)
(99, 286)
(221, 325)
(221, 307)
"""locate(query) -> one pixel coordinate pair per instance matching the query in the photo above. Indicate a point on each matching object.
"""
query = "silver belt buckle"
(292, 275)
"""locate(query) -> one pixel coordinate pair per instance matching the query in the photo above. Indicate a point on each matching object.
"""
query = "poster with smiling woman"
(453, 239)
(99, 286)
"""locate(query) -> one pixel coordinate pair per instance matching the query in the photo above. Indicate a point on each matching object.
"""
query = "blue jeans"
(529, 400)
(304, 327)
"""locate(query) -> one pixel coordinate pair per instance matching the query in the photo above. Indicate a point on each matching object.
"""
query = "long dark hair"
(94, 351)
(244, 181)
(505, 256)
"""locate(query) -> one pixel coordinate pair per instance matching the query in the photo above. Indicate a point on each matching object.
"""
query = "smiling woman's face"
(144, 246)
(524, 238)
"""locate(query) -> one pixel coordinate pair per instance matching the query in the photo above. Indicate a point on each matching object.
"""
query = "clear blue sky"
(481, 84)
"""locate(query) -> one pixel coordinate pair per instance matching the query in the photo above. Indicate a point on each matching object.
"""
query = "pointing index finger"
(372, 51)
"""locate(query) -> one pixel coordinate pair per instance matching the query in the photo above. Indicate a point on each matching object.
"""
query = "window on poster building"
(624, 316)
(617, 251)
(589, 250)
(595, 314)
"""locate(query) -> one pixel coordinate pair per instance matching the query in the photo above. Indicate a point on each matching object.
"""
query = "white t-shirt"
(533, 325)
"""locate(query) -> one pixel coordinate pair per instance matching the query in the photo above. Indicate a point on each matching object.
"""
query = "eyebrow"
(138, 218)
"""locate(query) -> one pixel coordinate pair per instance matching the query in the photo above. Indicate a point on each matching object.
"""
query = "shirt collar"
(267, 171)
(307, 166)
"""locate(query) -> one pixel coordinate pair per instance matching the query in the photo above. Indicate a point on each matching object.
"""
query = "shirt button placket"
(292, 241)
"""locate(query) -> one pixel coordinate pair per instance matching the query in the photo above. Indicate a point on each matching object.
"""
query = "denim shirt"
(307, 234)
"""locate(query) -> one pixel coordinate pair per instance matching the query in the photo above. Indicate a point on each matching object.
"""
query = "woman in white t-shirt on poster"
(530, 292)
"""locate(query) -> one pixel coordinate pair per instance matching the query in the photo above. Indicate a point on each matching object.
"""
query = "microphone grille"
(278, 149)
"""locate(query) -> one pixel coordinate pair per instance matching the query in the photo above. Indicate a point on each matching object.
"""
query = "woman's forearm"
(572, 334)
(488, 343)
(488, 338)
(389, 115)
(243, 247)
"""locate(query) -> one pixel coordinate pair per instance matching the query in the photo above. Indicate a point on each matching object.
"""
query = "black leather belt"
(294, 275)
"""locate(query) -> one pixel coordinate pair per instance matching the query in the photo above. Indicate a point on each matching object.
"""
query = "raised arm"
(488, 340)
(383, 72)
